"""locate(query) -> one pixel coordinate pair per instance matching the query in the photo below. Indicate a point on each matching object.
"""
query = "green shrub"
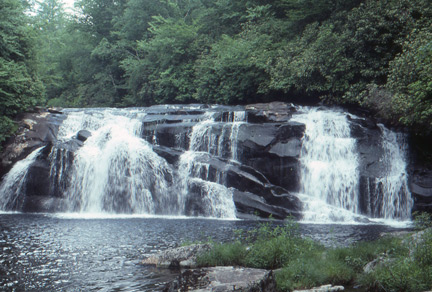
(401, 274)
(313, 270)
(227, 254)
(306, 263)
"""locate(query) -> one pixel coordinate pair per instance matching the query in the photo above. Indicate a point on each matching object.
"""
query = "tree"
(163, 71)
(410, 81)
(19, 87)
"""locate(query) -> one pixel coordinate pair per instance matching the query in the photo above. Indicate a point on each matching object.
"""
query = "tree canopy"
(375, 54)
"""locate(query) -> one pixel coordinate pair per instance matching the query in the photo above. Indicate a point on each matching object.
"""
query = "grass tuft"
(302, 263)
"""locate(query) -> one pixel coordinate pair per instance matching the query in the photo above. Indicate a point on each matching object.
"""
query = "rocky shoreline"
(220, 279)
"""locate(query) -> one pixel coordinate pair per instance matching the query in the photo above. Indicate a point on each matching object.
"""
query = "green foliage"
(227, 74)
(410, 80)
(276, 247)
(402, 265)
(312, 271)
(7, 128)
(265, 247)
(375, 54)
(163, 70)
(402, 274)
(20, 88)
(422, 220)
(223, 255)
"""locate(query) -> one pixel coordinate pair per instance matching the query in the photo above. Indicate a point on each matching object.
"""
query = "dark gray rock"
(222, 279)
(421, 189)
(44, 204)
(171, 155)
(35, 130)
(173, 135)
(83, 135)
(249, 206)
(273, 150)
(246, 180)
(270, 112)
(290, 148)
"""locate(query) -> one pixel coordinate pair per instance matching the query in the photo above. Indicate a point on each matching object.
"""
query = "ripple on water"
(49, 253)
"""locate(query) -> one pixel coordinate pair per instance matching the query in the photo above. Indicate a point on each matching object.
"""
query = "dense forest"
(373, 54)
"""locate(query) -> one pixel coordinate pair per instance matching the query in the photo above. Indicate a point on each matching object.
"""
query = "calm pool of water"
(64, 253)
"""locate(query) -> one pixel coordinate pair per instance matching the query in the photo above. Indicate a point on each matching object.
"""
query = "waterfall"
(392, 198)
(330, 178)
(196, 160)
(12, 188)
(329, 165)
(237, 120)
(115, 170)
(210, 138)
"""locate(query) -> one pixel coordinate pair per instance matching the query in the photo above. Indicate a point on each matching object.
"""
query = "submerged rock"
(224, 279)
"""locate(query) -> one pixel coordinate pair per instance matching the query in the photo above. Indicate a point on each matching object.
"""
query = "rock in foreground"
(323, 288)
(180, 257)
(224, 279)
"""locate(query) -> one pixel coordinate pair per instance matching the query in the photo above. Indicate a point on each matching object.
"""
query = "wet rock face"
(256, 159)
(35, 130)
(421, 189)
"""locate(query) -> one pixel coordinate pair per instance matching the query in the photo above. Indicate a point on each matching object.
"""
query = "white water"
(13, 183)
(237, 120)
(391, 190)
(207, 140)
(115, 170)
(329, 165)
(330, 172)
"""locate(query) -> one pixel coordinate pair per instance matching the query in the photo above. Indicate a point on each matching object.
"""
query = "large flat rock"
(220, 279)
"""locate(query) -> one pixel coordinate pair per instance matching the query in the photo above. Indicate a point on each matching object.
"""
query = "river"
(67, 252)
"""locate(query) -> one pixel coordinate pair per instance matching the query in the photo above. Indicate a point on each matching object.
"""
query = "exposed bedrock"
(254, 152)
(421, 189)
(35, 130)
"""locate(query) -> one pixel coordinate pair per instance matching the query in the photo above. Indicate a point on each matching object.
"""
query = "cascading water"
(392, 198)
(12, 187)
(115, 170)
(329, 172)
(210, 137)
(330, 179)
(198, 160)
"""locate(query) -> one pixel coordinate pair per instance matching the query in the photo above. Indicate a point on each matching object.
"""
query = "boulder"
(173, 135)
(246, 180)
(224, 279)
(83, 135)
(180, 257)
(269, 112)
(44, 204)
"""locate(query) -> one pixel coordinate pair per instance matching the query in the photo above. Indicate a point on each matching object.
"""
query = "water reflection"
(49, 253)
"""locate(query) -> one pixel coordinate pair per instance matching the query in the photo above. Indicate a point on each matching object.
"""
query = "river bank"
(278, 259)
